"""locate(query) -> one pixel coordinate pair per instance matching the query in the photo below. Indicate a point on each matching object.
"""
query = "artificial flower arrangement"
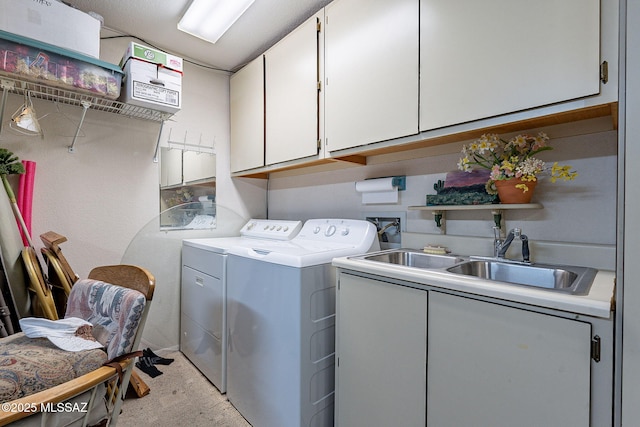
(512, 159)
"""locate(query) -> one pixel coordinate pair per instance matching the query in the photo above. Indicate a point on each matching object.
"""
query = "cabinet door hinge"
(604, 72)
(318, 25)
(319, 145)
(319, 86)
(595, 348)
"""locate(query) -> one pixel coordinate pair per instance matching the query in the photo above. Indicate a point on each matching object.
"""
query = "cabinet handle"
(595, 348)
(199, 281)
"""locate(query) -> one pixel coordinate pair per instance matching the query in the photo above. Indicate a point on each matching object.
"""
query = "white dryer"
(203, 308)
(281, 316)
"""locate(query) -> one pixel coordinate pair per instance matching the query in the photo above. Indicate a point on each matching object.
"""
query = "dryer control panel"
(337, 231)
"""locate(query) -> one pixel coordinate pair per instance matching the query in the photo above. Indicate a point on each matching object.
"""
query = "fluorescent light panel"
(210, 19)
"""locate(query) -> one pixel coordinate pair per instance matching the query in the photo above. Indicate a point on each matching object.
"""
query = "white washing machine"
(203, 317)
(281, 316)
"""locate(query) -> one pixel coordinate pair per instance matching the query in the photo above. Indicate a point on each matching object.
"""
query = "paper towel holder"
(399, 181)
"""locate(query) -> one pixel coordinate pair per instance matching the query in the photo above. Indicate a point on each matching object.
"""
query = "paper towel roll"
(380, 190)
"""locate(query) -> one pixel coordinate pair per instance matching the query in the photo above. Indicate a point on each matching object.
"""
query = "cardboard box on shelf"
(52, 22)
(152, 78)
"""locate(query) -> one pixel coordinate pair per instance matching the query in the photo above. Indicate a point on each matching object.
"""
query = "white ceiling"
(155, 21)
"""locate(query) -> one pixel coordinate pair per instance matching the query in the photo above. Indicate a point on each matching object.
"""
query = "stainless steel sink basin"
(413, 258)
(569, 279)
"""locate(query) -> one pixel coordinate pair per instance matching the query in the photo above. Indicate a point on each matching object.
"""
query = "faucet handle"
(496, 232)
(526, 255)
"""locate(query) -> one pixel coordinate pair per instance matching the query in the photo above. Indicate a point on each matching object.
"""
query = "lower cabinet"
(417, 356)
(491, 365)
(381, 346)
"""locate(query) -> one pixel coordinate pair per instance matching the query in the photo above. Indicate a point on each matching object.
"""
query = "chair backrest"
(115, 300)
(128, 276)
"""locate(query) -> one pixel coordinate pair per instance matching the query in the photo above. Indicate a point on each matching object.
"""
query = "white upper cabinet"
(170, 167)
(480, 59)
(198, 166)
(371, 71)
(292, 73)
(178, 167)
(247, 116)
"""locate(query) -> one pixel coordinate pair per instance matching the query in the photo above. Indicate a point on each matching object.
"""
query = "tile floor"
(181, 396)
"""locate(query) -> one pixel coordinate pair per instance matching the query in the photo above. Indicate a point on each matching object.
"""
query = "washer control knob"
(330, 231)
(345, 232)
(316, 230)
(285, 228)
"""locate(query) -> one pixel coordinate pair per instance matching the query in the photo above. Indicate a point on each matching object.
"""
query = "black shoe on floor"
(145, 366)
(154, 358)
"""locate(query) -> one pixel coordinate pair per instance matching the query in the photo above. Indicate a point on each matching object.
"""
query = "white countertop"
(598, 302)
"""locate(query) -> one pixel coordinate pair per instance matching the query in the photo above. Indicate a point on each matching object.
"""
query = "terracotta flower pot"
(508, 193)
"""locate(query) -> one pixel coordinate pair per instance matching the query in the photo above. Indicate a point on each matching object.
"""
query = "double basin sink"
(558, 278)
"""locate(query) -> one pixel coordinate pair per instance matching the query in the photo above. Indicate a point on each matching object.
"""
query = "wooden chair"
(51, 241)
(61, 275)
(58, 279)
(42, 296)
(88, 387)
(61, 279)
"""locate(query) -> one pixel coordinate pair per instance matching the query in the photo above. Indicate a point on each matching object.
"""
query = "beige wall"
(103, 196)
(100, 196)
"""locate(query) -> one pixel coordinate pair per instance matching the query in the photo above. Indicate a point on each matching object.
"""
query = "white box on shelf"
(52, 22)
(152, 78)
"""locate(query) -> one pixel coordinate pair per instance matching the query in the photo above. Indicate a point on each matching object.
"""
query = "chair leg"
(120, 395)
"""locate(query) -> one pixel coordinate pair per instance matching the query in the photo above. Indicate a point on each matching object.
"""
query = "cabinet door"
(247, 117)
(371, 71)
(381, 348)
(491, 365)
(198, 166)
(170, 167)
(292, 97)
(502, 56)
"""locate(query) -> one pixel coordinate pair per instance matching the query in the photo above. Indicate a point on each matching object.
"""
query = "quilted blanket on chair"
(29, 365)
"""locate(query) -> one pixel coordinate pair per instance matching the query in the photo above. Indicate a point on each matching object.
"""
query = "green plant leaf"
(10, 164)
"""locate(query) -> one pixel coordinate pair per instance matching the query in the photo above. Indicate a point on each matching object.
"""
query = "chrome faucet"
(500, 246)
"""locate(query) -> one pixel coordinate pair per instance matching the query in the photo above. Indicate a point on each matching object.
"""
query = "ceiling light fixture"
(210, 19)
